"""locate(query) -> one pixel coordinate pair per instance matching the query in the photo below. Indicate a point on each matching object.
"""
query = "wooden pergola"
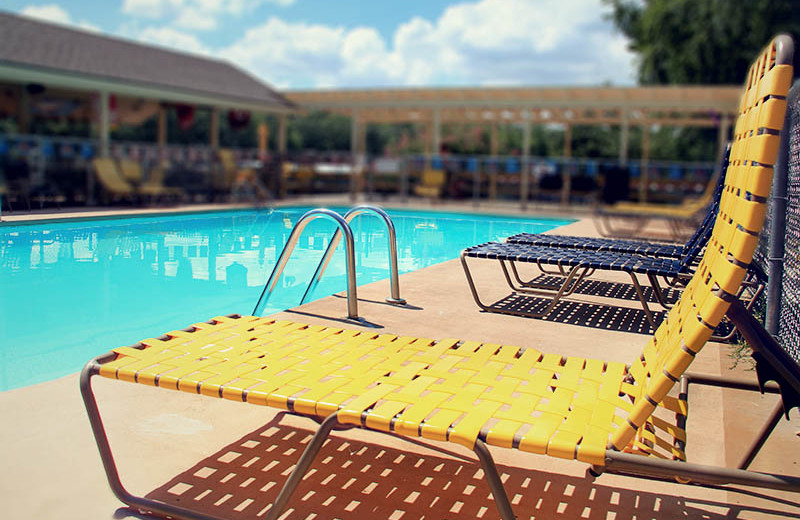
(697, 106)
(646, 107)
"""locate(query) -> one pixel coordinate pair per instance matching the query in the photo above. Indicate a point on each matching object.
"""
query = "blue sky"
(302, 44)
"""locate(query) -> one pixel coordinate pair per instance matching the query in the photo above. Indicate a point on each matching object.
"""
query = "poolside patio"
(213, 453)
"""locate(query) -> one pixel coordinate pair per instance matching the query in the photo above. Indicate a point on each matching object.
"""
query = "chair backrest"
(434, 178)
(131, 170)
(109, 176)
(723, 266)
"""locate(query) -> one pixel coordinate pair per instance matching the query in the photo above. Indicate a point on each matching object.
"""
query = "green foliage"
(595, 141)
(700, 41)
(319, 131)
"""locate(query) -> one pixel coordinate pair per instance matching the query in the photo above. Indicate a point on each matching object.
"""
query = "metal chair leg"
(301, 468)
(494, 480)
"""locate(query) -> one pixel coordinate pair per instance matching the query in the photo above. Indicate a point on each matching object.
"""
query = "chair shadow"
(356, 479)
(597, 316)
(616, 290)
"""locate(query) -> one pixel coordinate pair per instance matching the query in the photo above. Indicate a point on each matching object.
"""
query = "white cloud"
(168, 37)
(193, 19)
(484, 42)
(55, 14)
(48, 13)
(193, 14)
(153, 9)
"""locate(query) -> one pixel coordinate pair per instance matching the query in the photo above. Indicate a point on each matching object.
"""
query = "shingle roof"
(31, 43)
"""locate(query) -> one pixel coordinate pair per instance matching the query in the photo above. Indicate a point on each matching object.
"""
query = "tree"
(700, 41)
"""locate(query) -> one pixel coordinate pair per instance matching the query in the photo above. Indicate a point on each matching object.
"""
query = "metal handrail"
(348, 217)
(343, 228)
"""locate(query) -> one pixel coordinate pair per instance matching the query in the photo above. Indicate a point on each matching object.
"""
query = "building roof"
(33, 51)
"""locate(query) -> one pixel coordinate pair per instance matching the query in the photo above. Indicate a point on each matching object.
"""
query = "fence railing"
(46, 169)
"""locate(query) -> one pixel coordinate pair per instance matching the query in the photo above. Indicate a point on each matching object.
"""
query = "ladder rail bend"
(343, 228)
(394, 298)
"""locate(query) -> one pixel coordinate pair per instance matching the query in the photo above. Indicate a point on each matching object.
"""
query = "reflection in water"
(76, 289)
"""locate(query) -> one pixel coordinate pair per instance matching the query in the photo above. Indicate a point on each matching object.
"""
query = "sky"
(311, 44)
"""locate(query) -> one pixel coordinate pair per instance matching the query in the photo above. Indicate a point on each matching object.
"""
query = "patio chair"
(626, 219)
(431, 184)
(613, 416)
(110, 177)
(577, 258)
(636, 247)
(153, 187)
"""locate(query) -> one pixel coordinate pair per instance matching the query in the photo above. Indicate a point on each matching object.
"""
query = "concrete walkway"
(221, 456)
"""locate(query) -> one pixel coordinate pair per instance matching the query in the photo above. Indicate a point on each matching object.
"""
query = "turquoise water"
(73, 290)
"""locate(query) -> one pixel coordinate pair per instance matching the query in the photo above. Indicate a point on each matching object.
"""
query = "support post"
(437, 132)
(213, 129)
(355, 152)
(282, 131)
(566, 175)
(162, 126)
(104, 126)
(494, 147)
(644, 176)
(524, 180)
(624, 131)
(263, 139)
(24, 113)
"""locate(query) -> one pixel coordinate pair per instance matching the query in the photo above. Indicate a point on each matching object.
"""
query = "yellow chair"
(110, 178)
(431, 184)
(613, 416)
(154, 186)
(627, 219)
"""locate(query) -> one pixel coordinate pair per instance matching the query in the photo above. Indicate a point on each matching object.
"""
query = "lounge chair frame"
(572, 276)
(326, 425)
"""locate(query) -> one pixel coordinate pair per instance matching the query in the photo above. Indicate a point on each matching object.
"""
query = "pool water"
(73, 290)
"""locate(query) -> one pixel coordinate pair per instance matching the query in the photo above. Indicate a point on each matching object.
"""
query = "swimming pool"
(72, 289)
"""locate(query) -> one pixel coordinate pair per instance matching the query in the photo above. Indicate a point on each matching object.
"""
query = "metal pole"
(352, 298)
(437, 132)
(105, 123)
(644, 174)
(624, 131)
(392, 235)
(404, 179)
(777, 229)
(526, 155)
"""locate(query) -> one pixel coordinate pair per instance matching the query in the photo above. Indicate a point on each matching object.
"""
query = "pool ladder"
(342, 229)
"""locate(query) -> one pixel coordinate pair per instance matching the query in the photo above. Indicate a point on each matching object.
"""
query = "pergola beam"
(696, 106)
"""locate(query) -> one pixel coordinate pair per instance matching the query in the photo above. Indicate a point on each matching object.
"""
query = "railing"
(52, 167)
(343, 228)
(394, 297)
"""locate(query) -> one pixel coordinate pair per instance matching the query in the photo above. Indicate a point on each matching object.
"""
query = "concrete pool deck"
(185, 446)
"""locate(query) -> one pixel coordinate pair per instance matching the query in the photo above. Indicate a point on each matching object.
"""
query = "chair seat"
(608, 260)
(634, 247)
(447, 390)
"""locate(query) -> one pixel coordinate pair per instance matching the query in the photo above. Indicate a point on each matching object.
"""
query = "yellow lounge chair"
(627, 219)
(154, 186)
(613, 416)
(431, 184)
(110, 177)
